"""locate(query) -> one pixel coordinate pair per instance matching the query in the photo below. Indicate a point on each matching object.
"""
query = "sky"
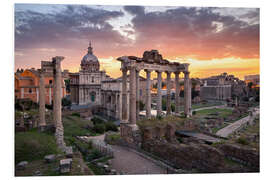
(212, 40)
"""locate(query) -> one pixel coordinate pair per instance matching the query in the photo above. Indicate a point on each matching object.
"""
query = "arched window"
(92, 79)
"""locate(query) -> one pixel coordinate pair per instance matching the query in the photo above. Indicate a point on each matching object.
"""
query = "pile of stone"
(50, 158)
(107, 167)
(21, 165)
(65, 165)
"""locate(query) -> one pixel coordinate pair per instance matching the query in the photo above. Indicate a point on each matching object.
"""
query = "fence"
(103, 148)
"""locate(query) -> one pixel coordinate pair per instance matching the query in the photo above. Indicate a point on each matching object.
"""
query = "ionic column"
(159, 98)
(57, 111)
(177, 92)
(137, 94)
(168, 102)
(42, 121)
(187, 95)
(124, 96)
(148, 94)
(132, 96)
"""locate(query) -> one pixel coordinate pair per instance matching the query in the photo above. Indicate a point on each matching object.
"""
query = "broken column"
(148, 94)
(177, 92)
(159, 98)
(57, 111)
(168, 102)
(42, 121)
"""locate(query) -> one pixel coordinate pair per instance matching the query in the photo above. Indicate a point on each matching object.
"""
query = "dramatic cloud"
(179, 33)
(68, 28)
(197, 32)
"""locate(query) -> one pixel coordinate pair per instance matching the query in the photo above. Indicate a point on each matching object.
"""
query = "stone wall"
(130, 137)
(161, 142)
(246, 156)
(201, 157)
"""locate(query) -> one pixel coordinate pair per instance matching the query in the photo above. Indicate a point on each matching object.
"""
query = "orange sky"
(212, 40)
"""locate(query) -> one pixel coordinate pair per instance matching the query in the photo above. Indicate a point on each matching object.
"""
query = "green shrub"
(75, 114)
(110, 126)
(95, 154)
(97, 120)
(242, 140)
(99, 128)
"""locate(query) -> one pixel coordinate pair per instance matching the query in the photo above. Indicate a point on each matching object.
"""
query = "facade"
(222, 87)
(27, 84)
(92, 87)
(85, 85)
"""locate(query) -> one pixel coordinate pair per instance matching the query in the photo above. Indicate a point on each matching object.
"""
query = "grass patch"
(221, 112)
(160, 121)
(75, 126)
(33, 145)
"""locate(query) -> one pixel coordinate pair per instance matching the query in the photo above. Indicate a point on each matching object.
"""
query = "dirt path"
(129, 162)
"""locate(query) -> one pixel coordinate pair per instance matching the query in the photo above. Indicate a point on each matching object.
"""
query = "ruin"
(151, 61)
(55, 64)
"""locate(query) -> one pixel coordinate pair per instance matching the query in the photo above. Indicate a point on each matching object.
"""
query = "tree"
(67, 83)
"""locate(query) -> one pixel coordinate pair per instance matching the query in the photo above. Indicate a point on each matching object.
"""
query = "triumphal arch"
(152, 61)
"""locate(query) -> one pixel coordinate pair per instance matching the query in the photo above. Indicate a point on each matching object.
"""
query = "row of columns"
(134, 94)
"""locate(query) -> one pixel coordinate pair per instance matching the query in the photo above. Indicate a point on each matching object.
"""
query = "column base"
(42, 128)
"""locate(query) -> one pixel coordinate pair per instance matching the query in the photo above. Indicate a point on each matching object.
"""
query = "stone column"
(177, 92)
(57, 111)
(148, 94)
(187, 95)
(50, 94)
(137, 94)
(159, 97)
(132, 96)
(42, 121)
(22, 93)
(168, 102)
(37, 94)
(124, 97)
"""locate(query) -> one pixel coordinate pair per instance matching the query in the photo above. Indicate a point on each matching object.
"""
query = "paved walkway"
(226, 131)
(127, 161)
(154, 112)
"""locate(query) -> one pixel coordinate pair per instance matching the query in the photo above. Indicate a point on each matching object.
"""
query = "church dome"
(90, 61)
(90, 58)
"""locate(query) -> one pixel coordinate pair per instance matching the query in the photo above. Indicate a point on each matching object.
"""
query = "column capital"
(158, 71)
(177, 72)
(186, 72)
(168, 72)
(147, 70)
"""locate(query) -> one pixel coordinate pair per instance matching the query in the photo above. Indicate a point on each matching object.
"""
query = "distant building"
(222, 87)
(255, 79)
(27, 84)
